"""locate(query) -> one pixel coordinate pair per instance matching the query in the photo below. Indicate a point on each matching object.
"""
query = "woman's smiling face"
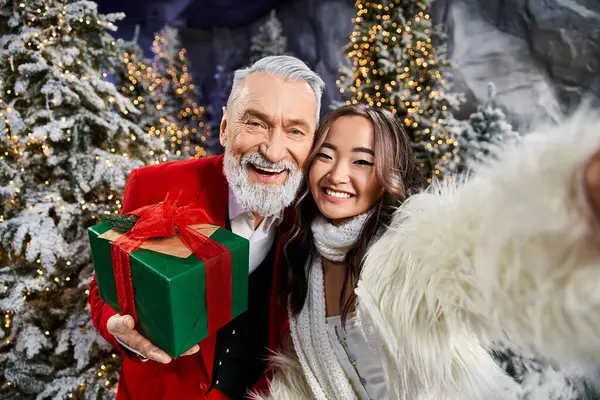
(342, 176)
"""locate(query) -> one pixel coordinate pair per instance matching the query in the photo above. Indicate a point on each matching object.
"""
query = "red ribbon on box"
(168, 219)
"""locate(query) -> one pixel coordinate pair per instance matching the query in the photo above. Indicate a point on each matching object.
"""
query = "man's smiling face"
(267, 133)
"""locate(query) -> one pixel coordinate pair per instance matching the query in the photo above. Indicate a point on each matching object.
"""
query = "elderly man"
(267, 131)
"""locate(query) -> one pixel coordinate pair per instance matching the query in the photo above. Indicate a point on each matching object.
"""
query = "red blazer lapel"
(213, 193)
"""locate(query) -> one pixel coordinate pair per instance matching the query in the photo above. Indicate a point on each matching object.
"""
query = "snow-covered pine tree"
(177, 95)
(269, 40)
(538, 377)
(138, 82)
(66, 149)
(483, 133)
(132, 78)
(398, 62)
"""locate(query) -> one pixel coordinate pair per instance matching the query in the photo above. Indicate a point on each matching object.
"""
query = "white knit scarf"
(320, 365)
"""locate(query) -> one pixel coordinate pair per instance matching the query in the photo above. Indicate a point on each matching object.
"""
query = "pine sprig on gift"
(121, 223)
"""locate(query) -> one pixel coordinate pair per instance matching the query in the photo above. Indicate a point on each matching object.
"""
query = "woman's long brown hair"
(396, 172)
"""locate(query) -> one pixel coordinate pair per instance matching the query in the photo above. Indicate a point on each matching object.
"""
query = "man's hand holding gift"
(122, 327)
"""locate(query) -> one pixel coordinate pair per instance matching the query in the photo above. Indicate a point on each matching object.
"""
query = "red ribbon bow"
(168, 219)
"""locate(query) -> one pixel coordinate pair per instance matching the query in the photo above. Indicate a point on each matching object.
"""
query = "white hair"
(286, 67)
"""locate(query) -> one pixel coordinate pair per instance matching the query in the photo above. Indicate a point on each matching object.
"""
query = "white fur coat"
(507, 252)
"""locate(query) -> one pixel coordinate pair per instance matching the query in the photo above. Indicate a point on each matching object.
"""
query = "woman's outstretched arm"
(512, 250)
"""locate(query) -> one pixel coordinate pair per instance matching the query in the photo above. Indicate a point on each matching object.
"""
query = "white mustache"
(263, 199)
(260, 161)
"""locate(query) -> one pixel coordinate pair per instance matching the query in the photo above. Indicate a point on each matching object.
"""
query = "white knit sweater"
(507, 252)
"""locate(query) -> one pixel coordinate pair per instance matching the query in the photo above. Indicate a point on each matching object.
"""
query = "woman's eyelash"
(364, 162)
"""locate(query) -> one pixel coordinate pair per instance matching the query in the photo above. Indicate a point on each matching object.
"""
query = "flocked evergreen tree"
(397, 58)
(483, 133)
(269, 40)
(134, 80)
(66, 149)
(176, 95)
(138, 82)
(538, 377)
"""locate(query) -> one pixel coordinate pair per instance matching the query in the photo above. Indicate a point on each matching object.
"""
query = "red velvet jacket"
(187, 377)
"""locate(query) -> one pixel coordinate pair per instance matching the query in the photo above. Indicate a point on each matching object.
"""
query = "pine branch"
(121, 223)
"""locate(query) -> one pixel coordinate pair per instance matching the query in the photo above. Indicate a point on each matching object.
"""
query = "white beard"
(261, 198)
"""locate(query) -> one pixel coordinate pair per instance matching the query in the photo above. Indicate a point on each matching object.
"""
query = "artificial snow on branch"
(67, 145)
(269, 40)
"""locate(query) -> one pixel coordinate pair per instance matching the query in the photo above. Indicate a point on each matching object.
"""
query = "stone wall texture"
(543, 55)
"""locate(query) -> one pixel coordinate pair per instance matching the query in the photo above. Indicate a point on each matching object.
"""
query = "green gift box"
(169, 284)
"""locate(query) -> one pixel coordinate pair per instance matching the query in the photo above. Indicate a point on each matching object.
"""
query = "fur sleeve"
(506, 252)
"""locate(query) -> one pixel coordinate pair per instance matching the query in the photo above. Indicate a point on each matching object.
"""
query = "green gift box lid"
(170, 289)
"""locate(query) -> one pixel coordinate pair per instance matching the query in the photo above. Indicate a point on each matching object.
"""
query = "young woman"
(411, 316)
(362, 167)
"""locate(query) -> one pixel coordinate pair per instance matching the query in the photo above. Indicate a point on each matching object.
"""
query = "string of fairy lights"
(395, 65)
(51, 31)
(186, 130)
